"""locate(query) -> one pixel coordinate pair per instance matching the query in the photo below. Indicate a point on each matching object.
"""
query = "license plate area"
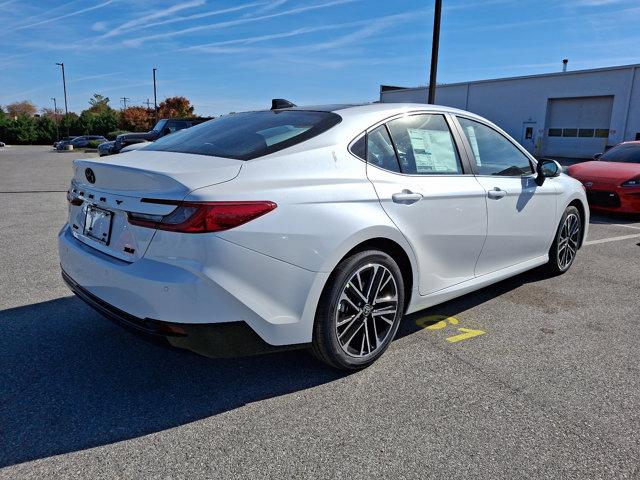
(97, 224)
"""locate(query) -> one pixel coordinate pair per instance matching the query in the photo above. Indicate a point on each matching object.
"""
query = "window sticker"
(433, 151)
(471, 134)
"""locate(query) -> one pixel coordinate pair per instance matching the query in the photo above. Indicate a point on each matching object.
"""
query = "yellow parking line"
(612, 239)
(466, 333)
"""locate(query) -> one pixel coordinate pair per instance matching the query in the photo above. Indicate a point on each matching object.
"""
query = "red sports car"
(612, 180)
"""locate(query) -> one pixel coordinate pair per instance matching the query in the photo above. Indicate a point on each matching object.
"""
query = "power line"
(124, 101)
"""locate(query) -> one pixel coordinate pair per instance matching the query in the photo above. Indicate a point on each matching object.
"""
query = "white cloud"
(99, 26)
(141, 22)
(140, 40)
(67, 15)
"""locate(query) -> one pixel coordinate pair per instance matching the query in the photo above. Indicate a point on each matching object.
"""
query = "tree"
(22, 130)
(25, 108)
(99, 103)
(105, 122)
(70, 124)
(46, 131)
(173, 107)
(136, 119)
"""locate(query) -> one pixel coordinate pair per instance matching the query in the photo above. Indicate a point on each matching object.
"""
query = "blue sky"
(230, 55)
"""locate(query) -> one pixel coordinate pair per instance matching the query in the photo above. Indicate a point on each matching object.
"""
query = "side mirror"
(597, 156)
(547, 168)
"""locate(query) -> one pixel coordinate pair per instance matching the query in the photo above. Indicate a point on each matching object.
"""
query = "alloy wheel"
(366, 310)
(568, 241)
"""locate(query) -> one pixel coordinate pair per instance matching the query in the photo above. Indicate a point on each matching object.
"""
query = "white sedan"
(318, 226)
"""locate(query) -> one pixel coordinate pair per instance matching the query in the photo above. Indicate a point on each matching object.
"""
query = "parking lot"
(535, 377)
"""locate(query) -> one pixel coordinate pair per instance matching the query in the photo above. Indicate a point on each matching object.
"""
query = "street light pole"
(55, 117)
(435, 44)
(64, 86)
(155, 97)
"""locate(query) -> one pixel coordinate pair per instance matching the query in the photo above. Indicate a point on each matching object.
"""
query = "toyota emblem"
(91, 177)
(588, 184)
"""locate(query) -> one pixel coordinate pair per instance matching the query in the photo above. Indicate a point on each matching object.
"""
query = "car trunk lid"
(103, 191)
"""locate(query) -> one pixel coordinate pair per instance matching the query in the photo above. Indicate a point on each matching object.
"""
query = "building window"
(569, 132)
(602, 133)
(555, 132)
(585, 133)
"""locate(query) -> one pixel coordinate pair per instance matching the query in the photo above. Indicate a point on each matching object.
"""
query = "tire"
(563, 252)
(350, 333)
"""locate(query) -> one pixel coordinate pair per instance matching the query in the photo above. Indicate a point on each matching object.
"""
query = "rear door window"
(244, 136)
(425, 145)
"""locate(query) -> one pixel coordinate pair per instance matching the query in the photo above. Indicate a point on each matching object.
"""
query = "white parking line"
(612, 239)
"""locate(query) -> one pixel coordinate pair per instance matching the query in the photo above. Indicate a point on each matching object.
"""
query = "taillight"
(202, 217)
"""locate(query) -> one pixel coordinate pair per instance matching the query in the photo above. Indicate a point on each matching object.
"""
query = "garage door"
(577, 127)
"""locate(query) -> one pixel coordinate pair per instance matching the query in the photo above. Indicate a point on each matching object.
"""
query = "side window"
(494, 154)
(380, 150)
(359, 147)
(425, 145)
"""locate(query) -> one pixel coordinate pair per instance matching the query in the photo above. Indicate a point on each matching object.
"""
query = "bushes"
(94, 143)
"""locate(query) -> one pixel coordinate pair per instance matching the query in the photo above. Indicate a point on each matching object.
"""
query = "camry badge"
(91, 177)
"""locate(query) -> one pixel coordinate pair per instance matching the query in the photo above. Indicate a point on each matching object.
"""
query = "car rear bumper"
(212, 340)
(232, 284)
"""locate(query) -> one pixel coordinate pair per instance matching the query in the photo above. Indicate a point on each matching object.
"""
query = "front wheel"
(565, 246)
(359, 311)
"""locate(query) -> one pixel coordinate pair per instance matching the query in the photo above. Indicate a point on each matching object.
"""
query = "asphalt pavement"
(535, 377)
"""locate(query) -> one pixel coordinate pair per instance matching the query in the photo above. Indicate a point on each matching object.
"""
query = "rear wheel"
(565, 246)
(359, 311)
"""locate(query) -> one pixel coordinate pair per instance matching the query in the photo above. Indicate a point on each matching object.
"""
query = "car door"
(521, 214)
(439, 206)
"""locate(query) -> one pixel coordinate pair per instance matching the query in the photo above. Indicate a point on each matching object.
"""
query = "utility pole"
(55, 117)
(64, 86)
(155, 97)
(124, 101)
(435, 44)
(148, 103)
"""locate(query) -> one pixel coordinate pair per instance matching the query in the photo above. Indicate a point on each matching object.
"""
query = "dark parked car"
(63, 140)
(162, 128)
(105, 148)
(82, 141)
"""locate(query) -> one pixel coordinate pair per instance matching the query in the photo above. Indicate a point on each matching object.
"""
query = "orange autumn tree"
(175, 107)
(137, 119)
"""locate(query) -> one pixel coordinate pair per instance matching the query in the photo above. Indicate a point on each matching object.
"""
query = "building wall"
(511, 102)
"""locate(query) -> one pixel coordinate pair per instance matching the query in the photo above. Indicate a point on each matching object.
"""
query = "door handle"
(496, 193)
(406, 197)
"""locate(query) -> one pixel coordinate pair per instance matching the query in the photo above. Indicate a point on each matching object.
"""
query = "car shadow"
(71, 380)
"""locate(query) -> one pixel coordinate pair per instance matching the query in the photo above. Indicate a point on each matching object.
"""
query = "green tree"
(46, 131)
(105, 122)
(69, 123)
(22, 130)
(99, 103)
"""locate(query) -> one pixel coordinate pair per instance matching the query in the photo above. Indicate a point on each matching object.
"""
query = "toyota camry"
(318, 226)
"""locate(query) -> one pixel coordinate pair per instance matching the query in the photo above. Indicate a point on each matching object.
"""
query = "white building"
(564, 114)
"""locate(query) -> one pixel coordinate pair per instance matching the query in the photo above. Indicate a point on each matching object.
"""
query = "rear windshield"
(623, 153)
(244, 136)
